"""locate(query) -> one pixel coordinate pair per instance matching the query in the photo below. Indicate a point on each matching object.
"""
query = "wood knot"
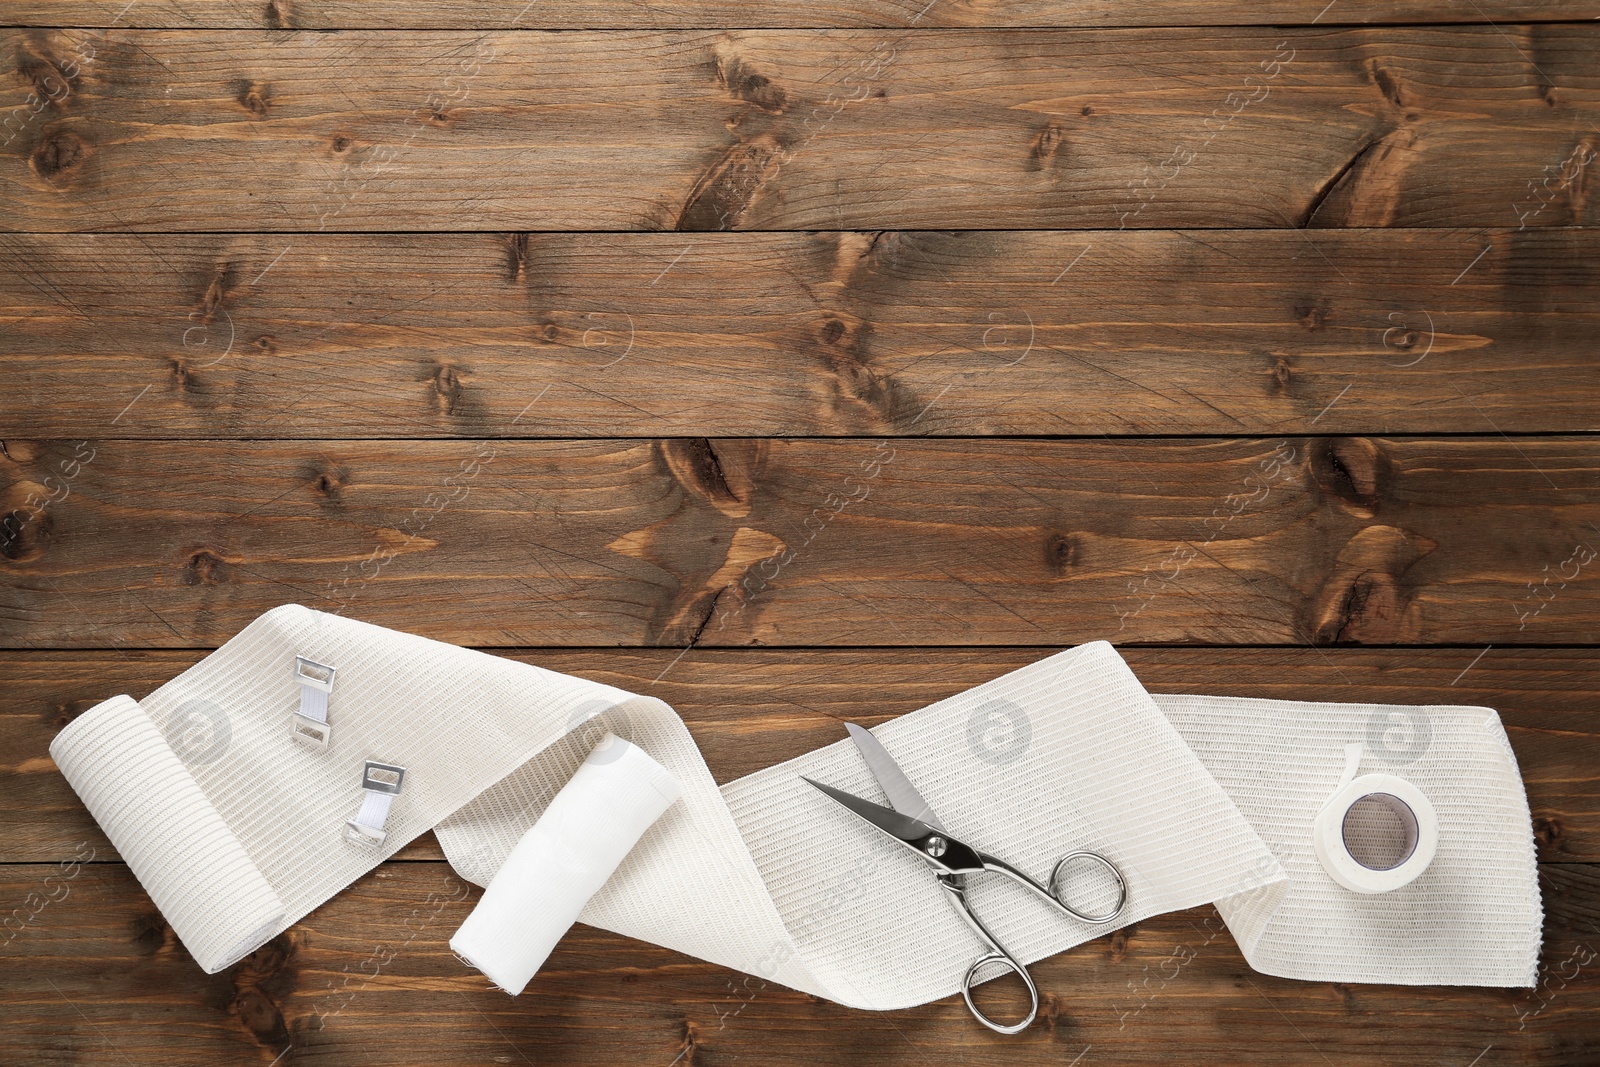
(250, 95)
(1351, 469)
(1365, 598)
(274, 958)
(223, 283)
(340, 143)
(1370, 601)
(1387, 84)
(447, 387)
(516, 262)
(1043, 150)
(182, 376)
(203, 567)
(1061, 553)
(730, 185)
(1549, 834)
(327, 482)
(1119, 942)
(277, 15)
(58, 156)
(51, 85)
(1282, 374)
(1405, 340)
(755, 89)
(256, 1008)
(266, 344)
(691, 1043)
(148, 932)
(1313, 315)
(722, 474)
(25, 521)
(60, 716)
(842, 344)
(261, 1015)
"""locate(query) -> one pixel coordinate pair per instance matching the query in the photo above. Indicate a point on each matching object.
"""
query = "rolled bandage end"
(583, 836)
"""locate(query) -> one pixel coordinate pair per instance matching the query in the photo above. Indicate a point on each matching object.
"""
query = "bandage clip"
(380, 783)
(309, 725)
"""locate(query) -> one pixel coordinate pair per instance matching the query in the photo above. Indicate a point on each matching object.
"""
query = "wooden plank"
(803, 129)
(369, 979)
(1130, 332)
(752, 708)
(691, 14)
(810, 542)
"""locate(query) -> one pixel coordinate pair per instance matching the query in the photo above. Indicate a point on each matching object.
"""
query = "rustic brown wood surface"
(811, 542)
(369, 979)
(599, 14)
(1257, 339)
(799, 129)
(1122, 332)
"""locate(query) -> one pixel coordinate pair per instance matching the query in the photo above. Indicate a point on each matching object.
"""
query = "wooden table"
(1257, 339)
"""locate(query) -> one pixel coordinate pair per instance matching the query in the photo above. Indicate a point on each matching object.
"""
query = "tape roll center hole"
(1380, 831)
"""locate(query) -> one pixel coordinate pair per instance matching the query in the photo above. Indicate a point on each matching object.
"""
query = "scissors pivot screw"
(937, 846)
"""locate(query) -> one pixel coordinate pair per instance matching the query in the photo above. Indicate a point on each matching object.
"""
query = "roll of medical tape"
(1418, 825)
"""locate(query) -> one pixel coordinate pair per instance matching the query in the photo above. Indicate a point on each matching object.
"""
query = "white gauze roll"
(589, 828)
(168, 831)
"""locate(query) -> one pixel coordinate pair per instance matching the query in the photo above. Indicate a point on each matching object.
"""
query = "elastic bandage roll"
(583, 836)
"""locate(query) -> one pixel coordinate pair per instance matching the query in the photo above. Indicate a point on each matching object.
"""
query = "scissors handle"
(1059, 892)
(956, 886)
(1054, 893)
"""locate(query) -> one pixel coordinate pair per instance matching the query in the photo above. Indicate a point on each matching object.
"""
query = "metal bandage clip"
(310, 723)
(381, 783)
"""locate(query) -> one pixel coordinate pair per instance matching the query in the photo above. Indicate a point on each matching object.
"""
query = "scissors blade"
(942, 852)
(902, 828)
(902, 794)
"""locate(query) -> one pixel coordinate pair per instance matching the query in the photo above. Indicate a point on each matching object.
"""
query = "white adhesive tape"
(1412, 831)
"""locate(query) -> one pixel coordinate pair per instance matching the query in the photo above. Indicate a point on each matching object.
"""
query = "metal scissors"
(913, 823)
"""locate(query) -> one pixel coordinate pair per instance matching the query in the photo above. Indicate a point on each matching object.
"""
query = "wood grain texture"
(1119, 332)
(753, 708)
(892, 447)
(689, 14)
(841, 129)
(368, 978)
(810, 542)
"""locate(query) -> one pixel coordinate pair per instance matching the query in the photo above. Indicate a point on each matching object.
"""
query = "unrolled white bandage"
(1196, 799)
(563, 860)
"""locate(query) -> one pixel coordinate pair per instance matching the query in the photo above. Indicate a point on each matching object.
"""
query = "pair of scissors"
(913, 823)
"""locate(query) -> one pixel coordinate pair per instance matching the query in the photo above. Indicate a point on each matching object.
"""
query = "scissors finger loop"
(1058, 890)
(1007, 963)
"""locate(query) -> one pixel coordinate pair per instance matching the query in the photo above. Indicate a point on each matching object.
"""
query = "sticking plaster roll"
(563, 860)
(1332, 832)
